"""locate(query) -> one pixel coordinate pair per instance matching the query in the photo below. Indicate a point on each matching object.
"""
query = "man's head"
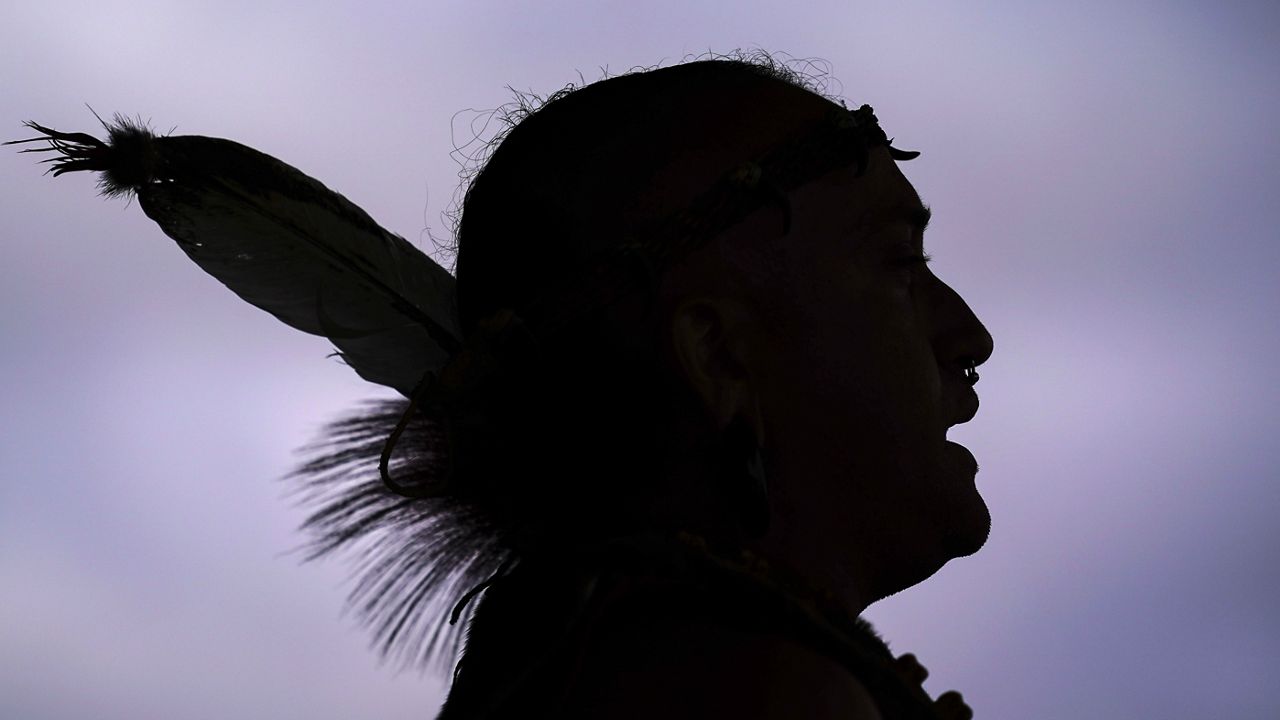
(840, 349)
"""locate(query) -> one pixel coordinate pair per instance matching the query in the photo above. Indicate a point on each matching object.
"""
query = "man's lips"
(966, 408)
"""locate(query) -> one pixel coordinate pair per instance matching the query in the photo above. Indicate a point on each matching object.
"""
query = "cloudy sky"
(1103, 177)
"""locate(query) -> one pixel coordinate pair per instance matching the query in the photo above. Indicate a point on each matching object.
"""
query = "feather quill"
(283, 242)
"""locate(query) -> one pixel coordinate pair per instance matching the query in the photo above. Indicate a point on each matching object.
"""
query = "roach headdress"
(381, 482)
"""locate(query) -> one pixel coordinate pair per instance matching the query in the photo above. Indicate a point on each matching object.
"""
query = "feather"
(287, 244)
(414, 556)
(284, 242)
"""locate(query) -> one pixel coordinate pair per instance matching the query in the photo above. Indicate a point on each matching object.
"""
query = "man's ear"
(712, 344)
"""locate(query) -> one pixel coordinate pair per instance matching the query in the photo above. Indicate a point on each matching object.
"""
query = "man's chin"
(970, 532)
(965, 535)
(961, 512)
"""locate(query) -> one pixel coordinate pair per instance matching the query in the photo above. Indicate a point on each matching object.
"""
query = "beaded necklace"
(732, 586)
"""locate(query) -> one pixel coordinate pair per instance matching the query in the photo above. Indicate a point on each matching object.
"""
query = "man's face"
(863, 377)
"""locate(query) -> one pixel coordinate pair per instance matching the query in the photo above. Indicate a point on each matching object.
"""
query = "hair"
(566, 183)
(572, 440)
(610, 94)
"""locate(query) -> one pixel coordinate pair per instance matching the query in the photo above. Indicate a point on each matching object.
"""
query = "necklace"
(515, 661)
(756, 592)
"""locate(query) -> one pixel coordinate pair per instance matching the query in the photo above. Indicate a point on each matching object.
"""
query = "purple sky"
(1103, 177)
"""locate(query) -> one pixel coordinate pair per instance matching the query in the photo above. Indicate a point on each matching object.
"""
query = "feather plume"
(415, 557)
(281, 241)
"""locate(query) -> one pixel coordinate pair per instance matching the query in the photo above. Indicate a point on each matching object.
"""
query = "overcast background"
(1103, 177)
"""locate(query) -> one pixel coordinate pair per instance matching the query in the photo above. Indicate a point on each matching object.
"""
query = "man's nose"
(961, 340)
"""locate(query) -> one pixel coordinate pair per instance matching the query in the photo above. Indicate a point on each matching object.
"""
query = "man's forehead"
(881, 195)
